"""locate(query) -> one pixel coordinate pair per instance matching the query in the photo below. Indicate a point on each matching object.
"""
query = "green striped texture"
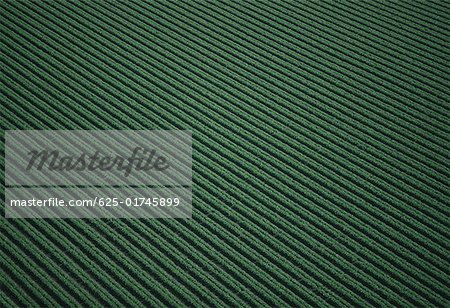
(321, 150)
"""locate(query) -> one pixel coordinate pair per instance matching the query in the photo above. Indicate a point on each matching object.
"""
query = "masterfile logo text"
(141, 159)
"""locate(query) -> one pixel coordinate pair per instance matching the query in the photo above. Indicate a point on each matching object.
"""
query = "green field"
(320, 148)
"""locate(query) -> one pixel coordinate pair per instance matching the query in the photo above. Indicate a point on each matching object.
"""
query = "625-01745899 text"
(102, 202)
